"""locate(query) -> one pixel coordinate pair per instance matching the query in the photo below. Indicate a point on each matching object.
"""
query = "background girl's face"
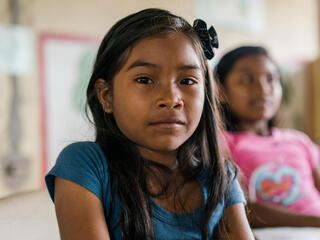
(158, 94)
(253, 88)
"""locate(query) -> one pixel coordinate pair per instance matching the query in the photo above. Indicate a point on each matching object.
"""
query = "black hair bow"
(208, 38)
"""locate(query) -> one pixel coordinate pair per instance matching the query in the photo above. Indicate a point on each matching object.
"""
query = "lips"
(167, 123)
(261, 102)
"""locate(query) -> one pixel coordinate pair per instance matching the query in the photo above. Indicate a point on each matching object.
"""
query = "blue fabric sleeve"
(83, 163)
(236, 195)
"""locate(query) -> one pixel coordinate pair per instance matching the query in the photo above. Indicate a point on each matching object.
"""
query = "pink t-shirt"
(278, 169)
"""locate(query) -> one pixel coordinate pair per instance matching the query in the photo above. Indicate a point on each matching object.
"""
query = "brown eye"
(143, 80)
(246, 79)
(188, 81)
(270, 78)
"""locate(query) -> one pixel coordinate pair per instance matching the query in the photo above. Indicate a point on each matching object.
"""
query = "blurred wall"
(291, 31)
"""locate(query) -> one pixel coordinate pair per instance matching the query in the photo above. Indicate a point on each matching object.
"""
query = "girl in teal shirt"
(155, 170)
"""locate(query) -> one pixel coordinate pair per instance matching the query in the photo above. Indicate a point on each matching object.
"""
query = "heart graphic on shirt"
(280, 185)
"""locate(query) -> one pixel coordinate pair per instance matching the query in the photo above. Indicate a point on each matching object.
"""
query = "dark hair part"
(127, 168)
(223, 68)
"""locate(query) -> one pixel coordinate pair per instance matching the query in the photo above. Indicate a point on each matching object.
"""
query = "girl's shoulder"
(86, 155)
(83, 163)
(302, 140)
(85, 149)
(291, 134)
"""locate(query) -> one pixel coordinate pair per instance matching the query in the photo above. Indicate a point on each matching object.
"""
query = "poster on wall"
(65, 67)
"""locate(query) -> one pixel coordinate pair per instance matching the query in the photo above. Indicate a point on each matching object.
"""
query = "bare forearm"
(263, 215)
(237, 226)
(316, 177)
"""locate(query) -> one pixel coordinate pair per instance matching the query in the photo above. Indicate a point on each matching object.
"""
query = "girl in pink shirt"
(280, 167)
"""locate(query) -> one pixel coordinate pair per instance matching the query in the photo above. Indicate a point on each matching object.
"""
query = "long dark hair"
(223, 68)
(126, 166)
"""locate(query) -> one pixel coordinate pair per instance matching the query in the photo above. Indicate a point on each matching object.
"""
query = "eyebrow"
(242, 69)
(247, 70)
(189, 67)
(140, 63)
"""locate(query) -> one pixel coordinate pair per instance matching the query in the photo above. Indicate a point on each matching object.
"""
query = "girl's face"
(253, 89)
(158, 94)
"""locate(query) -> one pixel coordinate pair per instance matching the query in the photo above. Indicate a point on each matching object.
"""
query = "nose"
(169, 96)
(263, 85)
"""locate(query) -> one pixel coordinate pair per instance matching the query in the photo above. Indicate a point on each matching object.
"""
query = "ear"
(104, 94)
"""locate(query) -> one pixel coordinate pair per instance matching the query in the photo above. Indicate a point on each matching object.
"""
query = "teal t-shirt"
(85, 164)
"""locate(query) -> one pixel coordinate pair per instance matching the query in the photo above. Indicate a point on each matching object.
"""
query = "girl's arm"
(79, 212)
(264, 215)
(237, 226)
(316, 177)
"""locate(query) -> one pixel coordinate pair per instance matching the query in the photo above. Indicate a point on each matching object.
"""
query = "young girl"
(280, 166)
(155, 170)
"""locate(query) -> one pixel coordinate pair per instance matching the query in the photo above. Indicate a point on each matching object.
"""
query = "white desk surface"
(287, 233)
